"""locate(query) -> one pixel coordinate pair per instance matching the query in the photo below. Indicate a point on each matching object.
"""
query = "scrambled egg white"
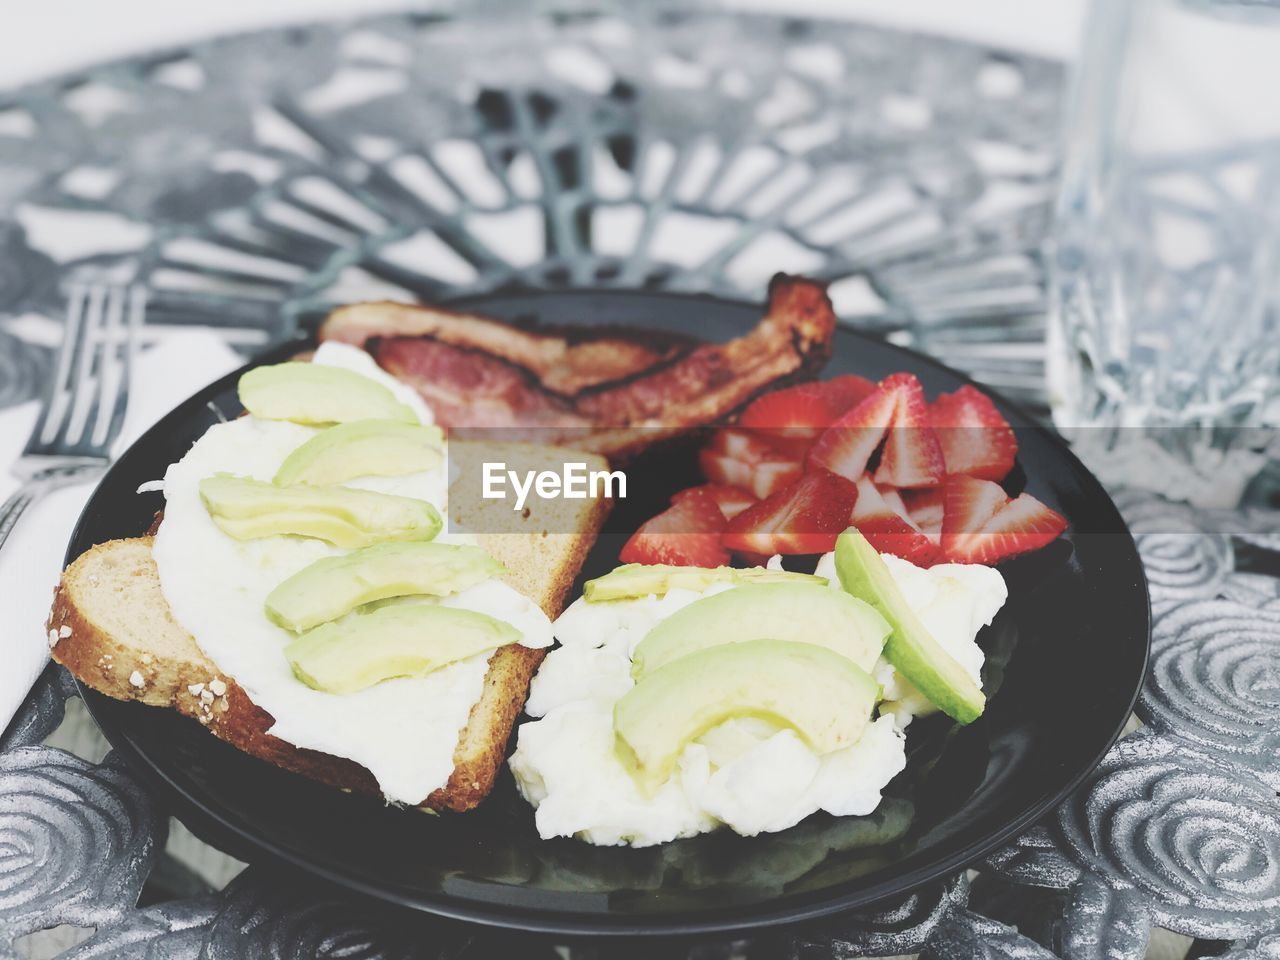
(746, 774)
(405, 730)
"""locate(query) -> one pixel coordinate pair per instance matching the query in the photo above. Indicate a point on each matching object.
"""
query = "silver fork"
(85, 404)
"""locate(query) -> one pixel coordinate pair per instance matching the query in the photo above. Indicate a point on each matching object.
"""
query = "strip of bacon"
(561, 360)
(469, 385)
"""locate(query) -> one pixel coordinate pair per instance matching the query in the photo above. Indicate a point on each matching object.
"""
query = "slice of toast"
(114, 631)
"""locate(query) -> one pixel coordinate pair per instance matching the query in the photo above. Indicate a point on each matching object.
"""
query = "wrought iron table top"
(252, 180)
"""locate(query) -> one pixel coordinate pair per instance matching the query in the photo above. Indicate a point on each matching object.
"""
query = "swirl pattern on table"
(282, 917)
(1035, 859)
(900, 928)
(76, 841)
(1214, 678)
(1196, 838)
(967, 936)
(1182, 561)
(1103, 923)
(1253, 590)
(170, 931)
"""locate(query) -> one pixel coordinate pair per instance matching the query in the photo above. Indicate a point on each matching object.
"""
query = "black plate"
(1067, 655)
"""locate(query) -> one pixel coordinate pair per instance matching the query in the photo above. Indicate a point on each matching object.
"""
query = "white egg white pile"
(746, 773)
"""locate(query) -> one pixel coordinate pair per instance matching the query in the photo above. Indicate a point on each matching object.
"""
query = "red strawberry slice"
(738, 458)
(848, 390)
(968, 503)
(758, 480)
(925, 509)
(803, 518)
(890, 531)
(687, 534)
(982, 525)
(806, 409)
(730, 500)
(770, 478)
(724, 471)
(845, 447)
(741, 445)
(976, 440)
(758, 447)
(912, 457)
(894, 500)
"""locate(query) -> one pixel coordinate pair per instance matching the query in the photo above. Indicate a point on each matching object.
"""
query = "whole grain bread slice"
(111, 627)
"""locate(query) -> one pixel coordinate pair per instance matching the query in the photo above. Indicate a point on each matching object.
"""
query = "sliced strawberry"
(845, 447)
(724, 471)
(976, 440)
(968, 503)
(848, 390)
(982, 525)
(770, 478)
(758, 447)
(925, 510)
(804, 410)
(741, 445)
(686, 534)
(803, 518)
(730, 500)
(890, 531)
(894, 500)
(758, 465)
(912, 457)
(757, 481)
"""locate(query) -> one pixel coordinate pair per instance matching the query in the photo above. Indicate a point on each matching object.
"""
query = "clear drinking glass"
(1164, 343)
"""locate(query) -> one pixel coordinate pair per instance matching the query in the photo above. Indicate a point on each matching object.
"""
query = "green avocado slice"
(823, 696)
(317, 394)
(633, 580)
(331, 587)
(363, 448)
(910, 647)
(799, 612)
(406, 640)
(250, 509)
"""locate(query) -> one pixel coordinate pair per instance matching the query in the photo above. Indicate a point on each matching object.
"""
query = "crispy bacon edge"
(618, 417)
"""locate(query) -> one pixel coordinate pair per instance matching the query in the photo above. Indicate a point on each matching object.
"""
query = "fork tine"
(107, 378)
(81, 388)
(57, 404)
(113, 400)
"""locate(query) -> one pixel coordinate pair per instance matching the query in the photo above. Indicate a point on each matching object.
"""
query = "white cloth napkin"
(31, 560)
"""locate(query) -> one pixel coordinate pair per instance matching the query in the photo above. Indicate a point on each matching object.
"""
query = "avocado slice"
(314, 393)
(249, 509)
(800, 612)
(633, 580)
(363, 448)
(823, 696)
(333, 586)
(910, 647)
(405, 640)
